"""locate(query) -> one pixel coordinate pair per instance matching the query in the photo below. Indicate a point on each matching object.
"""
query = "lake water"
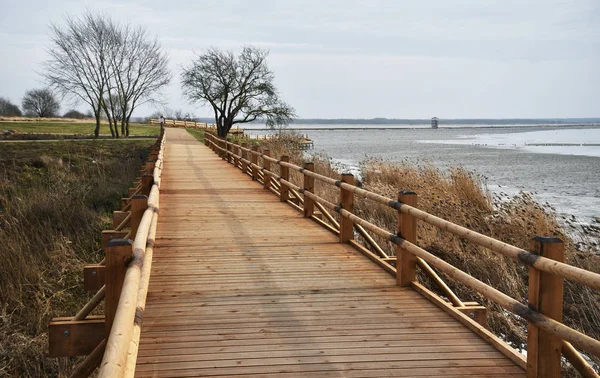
(560, 165)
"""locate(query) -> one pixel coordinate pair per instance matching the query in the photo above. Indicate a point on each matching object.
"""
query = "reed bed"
(55, 198)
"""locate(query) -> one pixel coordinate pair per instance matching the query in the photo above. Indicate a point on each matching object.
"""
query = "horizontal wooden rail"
(141, 298)
(112, 279)
(427, 260)
(567, 271)
(174, 122)
(124, 334)
(551, 326)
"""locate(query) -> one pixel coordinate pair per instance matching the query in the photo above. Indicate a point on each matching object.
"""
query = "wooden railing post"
(236, 151)
(243, 155)
(139, 204)
(406, 262)
(254, 160)
(267, 166)
(284, 194)
(347, 203)
(546, 297)
(224, 154)
(150, 164)
(118, 253)
(228, 151)
(309, 186)
(147, 182)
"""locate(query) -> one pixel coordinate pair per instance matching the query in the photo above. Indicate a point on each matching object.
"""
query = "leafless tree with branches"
(107, 65)
(239, 88)
(41, 102)
(77, 67)
(140, 70)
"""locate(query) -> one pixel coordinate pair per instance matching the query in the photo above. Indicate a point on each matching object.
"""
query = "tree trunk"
(127, 125)
(114, 132)
(117, 129)
(224, 127)
(110, 126)
(123, 127)
(97, 129)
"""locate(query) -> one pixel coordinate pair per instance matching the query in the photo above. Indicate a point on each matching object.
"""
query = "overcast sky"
(359, 59)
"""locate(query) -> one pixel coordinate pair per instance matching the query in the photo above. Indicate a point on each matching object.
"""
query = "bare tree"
(239, 89)
(94, 59)
(8, 109)
(77, 67)
(140, 70)
(41, 102)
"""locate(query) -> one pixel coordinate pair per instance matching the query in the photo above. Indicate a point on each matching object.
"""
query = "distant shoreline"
(325, 127)
(442, 121)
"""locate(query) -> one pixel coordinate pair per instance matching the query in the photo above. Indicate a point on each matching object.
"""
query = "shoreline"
(249, 128)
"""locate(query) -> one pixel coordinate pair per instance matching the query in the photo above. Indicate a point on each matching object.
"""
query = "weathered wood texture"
(242, 284)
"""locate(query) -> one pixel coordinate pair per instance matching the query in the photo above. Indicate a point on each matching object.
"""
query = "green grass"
(80, 128)
(198, 134)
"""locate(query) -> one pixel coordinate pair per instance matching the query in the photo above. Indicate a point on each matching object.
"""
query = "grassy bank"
(55, 198)
(198, 134)
(462, 197)
(75, 128)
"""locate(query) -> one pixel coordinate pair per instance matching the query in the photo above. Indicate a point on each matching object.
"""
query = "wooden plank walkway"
(242, 284)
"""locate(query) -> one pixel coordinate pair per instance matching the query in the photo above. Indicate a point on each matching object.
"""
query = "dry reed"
(55, 199)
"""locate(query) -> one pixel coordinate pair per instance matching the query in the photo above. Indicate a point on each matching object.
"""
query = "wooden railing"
(273, 136)
(121, 279)
(211, 127)
(548, 337)
(186, 124)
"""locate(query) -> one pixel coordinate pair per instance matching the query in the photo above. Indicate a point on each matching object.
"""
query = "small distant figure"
(161, 120)
(434, 122)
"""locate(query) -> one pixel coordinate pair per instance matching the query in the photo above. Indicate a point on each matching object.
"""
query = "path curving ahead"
(242, 284)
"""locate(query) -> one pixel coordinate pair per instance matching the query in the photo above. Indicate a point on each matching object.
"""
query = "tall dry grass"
(462, 197)
(55, 199)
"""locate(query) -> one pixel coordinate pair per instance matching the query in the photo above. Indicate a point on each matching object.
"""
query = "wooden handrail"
(141, 298)
(116, 278)
(195, 124)
(549, 325)
(425, 258)
(566, 271)
(123, 332)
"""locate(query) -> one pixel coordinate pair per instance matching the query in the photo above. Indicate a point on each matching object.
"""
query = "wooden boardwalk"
(242, 284)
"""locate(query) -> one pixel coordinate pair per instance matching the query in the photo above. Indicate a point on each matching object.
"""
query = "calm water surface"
(570, 183)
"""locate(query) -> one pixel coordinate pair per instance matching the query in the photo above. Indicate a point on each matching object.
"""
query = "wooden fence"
(186, 124)
(197, 125)
(548, 337)
(121, 280)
